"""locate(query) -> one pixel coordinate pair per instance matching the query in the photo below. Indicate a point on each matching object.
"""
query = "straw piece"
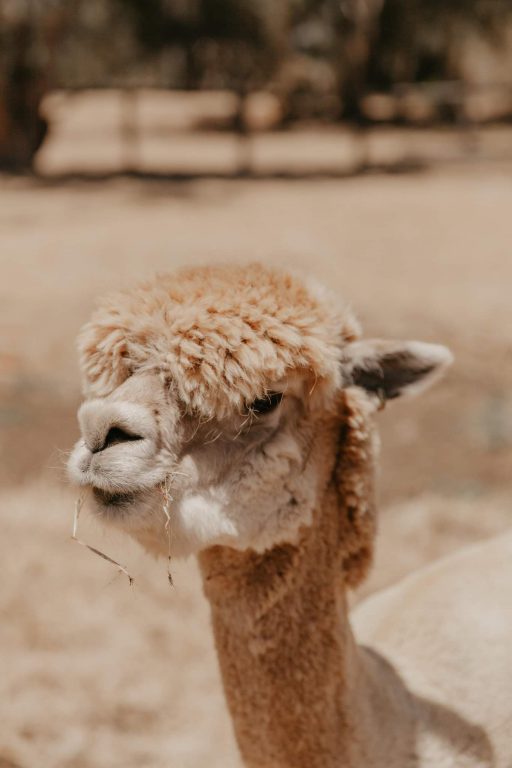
(167, 526)
(121, 568)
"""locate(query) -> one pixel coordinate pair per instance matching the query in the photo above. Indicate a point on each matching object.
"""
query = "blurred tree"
(234, 44)
(46, 44)
(23, 68)
(423, 40)
(420, 39)
(227, 43)
(374, 44)
(321, 56)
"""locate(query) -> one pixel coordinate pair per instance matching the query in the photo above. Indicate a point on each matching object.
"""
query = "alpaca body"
(230, 414)
(467, 632)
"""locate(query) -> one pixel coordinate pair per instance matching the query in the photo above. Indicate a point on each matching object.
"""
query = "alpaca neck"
(300, 691)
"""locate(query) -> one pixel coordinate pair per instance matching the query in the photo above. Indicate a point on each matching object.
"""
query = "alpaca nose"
(107, 424)
(114, 436)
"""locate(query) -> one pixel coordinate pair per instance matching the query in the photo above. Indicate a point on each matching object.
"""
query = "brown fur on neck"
(279, 617)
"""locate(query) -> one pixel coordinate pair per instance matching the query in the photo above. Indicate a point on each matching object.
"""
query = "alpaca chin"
(217, 516)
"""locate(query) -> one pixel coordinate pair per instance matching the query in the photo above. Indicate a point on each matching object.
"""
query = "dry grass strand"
(74, 535)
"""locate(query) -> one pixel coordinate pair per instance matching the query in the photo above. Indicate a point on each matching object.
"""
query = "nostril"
(117, 435)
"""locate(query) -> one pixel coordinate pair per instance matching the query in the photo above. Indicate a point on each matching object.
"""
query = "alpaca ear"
(393, 368)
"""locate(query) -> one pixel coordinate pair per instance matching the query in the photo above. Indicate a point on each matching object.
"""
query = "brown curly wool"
(355, 478)
(220, 333)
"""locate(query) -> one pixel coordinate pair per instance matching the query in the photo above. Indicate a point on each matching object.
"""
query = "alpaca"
(245, 400)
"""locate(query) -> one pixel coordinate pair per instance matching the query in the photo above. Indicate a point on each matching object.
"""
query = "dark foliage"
(320, 56)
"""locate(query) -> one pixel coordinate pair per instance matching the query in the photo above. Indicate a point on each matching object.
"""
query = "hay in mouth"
(74, 535)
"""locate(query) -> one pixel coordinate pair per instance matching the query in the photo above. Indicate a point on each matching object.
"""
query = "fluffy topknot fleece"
(221, 334)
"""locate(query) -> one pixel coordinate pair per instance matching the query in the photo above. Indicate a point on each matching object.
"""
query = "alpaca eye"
(266, 404)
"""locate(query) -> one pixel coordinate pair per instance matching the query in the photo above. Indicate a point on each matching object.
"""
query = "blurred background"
(368, 142)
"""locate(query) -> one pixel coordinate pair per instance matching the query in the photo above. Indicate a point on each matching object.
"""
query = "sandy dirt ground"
(98, 675)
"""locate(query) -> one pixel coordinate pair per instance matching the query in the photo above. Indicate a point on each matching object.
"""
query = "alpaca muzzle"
(116, 454)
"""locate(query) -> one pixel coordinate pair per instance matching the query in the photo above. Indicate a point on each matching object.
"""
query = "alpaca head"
(217, 390)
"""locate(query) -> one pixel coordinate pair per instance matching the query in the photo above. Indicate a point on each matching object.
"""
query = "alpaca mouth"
(109, 499)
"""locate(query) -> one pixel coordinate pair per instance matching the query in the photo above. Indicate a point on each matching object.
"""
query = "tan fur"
(220, 333)
(280, 618)
(280, 510)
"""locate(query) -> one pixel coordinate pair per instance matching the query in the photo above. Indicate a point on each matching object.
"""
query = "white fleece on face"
(262, 502)
(242, 483)
(256, 500)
